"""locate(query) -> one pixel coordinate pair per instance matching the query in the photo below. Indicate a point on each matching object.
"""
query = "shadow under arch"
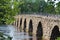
(55, 33)
(20, 24)
(39, 32)
(30, 27)
(24, 25)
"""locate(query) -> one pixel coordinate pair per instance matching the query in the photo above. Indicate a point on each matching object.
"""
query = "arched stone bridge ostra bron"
(47, 27)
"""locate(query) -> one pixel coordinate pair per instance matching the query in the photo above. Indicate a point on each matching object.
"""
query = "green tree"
(58, 8)
(39, 6)
(30, 6)
(42, 5)
(50, 7)
(8, 9)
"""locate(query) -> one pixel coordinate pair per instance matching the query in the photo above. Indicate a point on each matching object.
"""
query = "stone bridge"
(47, 27)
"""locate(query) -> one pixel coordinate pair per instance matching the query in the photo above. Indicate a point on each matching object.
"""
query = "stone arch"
(20, 22)
(39, 32)
(24, 25)
(30, 27)
(55, 33)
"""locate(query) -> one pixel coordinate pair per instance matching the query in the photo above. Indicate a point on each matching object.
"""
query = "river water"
(17, 35)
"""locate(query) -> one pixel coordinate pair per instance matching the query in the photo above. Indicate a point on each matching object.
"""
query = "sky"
(53, 0)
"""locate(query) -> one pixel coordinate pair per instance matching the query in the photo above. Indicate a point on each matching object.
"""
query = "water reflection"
(38, 38)
(24, 30)
(18, 34)
(30, 34)
(30, 39)
(34, 37)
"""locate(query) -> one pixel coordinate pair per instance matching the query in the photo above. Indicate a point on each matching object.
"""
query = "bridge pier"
(16, 23)
(34, 28)
(22, 23)
(27, 25)
(46, 34)
(46, 30)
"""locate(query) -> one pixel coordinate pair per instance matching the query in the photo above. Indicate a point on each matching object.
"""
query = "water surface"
(17, 35)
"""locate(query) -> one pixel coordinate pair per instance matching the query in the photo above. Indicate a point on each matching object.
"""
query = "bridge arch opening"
(39, 32)
(30, 27)
(20, 22)
(24, 25)
(55, 33)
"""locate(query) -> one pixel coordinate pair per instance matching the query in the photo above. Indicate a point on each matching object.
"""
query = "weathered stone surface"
(48, 23)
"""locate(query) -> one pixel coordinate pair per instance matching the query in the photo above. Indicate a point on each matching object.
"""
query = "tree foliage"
(41, 6)
(8, 9)
(30, 6)
(58, 8)
(50, 7)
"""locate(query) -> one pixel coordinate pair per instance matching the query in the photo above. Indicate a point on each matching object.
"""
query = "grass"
(58, 38)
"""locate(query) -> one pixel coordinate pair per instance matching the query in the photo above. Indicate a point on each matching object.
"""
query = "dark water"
(17, 35)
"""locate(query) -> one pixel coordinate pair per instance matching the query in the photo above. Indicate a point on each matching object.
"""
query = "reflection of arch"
(30, 26)
(55, 33)
(39, 33)
(24, 25)
(30, 38)
(20, 22)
